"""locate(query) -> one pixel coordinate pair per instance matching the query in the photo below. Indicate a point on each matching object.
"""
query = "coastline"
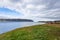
(35, 32)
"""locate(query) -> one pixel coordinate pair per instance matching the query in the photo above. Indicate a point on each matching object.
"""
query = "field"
(37, 32)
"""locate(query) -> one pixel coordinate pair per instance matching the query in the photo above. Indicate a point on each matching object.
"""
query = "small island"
(16, 20)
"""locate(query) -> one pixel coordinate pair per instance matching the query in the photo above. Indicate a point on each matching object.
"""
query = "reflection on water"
(8, 26)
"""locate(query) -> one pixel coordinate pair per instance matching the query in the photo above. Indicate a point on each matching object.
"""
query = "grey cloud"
(49, 17)
(53, 14)
(15, 1)
(52, 3)
(40, 2)
(53, 18)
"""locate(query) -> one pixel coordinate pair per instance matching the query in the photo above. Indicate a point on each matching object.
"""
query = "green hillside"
(37, 32)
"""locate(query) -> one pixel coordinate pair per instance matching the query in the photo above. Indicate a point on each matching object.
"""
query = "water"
(8, 26)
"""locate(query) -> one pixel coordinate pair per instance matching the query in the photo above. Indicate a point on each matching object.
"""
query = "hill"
(37, 32)
(17, 20)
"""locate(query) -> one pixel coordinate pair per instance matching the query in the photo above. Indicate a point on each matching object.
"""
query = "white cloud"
(40, 7)
(30, 6)
(26, 1)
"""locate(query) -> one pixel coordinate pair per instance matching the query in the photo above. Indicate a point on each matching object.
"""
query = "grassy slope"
(38, 32)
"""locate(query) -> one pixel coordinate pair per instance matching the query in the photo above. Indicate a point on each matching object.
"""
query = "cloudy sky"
(37, 10)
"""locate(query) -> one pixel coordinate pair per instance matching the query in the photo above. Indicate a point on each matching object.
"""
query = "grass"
(37, 32)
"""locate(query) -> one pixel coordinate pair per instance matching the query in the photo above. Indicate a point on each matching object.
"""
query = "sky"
(37, 10)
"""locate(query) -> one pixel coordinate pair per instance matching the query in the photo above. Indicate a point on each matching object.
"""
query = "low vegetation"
(37, 32)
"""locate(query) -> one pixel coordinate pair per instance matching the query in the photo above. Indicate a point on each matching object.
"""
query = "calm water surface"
(8, 26)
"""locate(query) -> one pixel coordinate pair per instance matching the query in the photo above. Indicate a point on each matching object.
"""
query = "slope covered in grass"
(37, 32)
